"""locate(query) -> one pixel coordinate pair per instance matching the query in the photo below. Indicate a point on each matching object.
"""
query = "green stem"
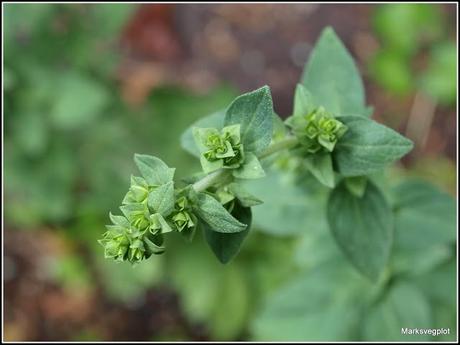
(221, 174)
(287, 143)
(211, 179)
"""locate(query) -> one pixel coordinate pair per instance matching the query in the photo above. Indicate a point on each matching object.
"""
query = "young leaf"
(215, 215)
(250, 169)
(214, 120)
(119, 220)
(153, 169)
(161, 199)
(367, 147)
(320, 165)
(303, 101)
(332, 77)
(254, 112)
(226, 246)
(362, 227)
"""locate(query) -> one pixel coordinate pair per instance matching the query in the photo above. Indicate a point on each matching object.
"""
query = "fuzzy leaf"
(153, 169)
(215, 215)
(332, 78)
(367, 147)
(254, 112)
(226, 246)
(362, 227)
(303, 101)
(250, 169)
(161, 199)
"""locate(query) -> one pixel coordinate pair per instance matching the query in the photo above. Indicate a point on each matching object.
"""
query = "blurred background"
(88, 85)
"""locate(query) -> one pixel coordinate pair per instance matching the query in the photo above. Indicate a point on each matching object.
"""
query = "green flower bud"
(219, 149)
(115, 245)
(317, 131)
(138, 191)
(182, 217)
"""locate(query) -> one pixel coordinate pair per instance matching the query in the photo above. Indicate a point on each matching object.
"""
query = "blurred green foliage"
(407, 34)
(69, 143)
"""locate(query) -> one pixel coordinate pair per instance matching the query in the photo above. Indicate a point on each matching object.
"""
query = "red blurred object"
(151, 35)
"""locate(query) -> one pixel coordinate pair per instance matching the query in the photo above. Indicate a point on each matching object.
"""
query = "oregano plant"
(330, 133)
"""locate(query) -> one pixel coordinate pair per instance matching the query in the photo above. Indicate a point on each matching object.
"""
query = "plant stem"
(287, 143)
(219, 175)
(211, 179)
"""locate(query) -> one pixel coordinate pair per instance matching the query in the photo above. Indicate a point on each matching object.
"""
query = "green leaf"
(153, 169)
(323, 304)
(287, 209)
(254, 112)
(356, 185)
(424, 215)
(250, 169)
(215, 215)
(320, 165)
(161, 199)
(425, 227)
(244, 197)
(367, 147)
(215, 120)
(303, 101)
(209, 166)
(404, 306)
(362, 227)
(332, 78)
(119, 220)
(227, 246)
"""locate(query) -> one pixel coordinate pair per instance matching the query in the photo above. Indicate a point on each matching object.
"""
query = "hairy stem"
(287, 143)
(221, 174)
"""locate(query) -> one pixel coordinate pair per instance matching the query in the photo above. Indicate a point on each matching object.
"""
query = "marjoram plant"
(330, 132)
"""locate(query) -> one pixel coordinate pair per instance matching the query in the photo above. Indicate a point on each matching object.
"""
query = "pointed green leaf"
(303, 101)
(362, 227)
(254, 112)
(161, 199)
(119, 220)
(320, 165)
(153, 169)
(250, 169)
(226, 246)
(215, 215)
(209, 166)
(332, 78)
(367, 147)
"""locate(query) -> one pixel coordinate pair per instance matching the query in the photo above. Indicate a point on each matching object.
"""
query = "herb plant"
(330, 133)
